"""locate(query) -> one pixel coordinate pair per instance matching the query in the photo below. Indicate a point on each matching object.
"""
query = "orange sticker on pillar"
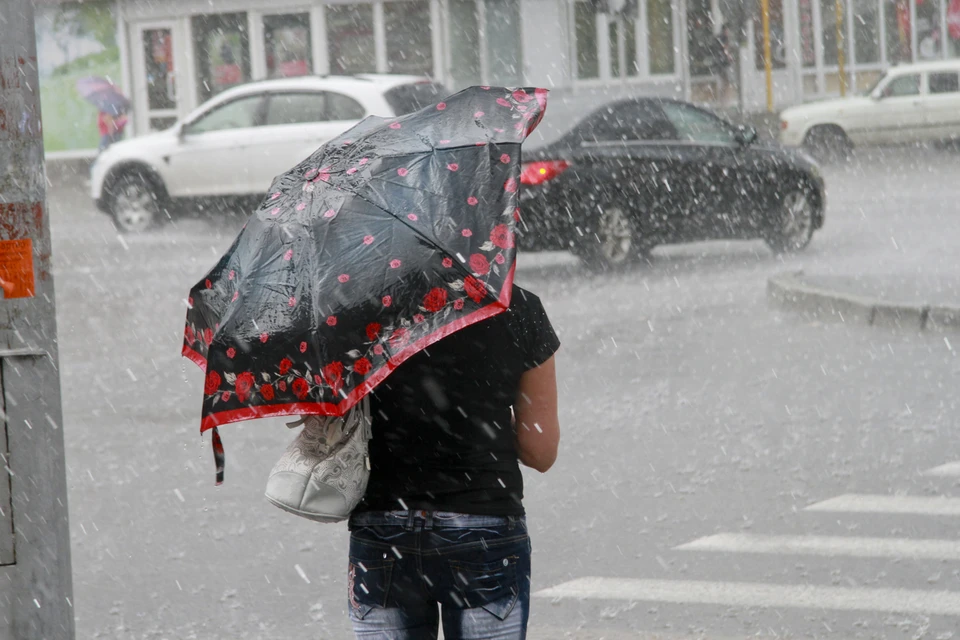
(16, 268)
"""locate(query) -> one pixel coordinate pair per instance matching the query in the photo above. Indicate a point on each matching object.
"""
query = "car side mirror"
(746, 135)
(181, 131)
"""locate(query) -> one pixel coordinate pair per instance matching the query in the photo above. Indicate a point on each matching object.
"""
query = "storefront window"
(588, 62)
(629, 47)
(158, 59)
(828, 20)
(502, 18)
(778, 48)
(866, 31)
(660, 36)
(807, 41)
(929, 33)
(409, 42)
(953, 29)
(896, 16)
(630, 44)
(700, 38)
(350, 38)
(286, 39)
(464, 43)
(221, 46)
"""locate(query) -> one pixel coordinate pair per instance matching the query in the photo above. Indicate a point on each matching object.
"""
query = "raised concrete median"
(911, 302)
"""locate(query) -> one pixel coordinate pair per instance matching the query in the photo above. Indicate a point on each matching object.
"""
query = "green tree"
(92, 19)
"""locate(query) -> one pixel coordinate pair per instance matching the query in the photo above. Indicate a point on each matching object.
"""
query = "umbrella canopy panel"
(388, 238)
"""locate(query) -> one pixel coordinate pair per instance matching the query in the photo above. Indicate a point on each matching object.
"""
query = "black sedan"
(641, 172)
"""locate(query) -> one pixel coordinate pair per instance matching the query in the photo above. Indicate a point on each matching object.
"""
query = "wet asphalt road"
(689, 408)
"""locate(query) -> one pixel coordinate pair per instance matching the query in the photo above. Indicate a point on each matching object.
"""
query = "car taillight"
(532, 173)
(783, 125)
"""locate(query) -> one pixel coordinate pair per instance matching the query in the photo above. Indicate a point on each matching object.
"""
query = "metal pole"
(35, 577)
(841, 70)
(767, 58)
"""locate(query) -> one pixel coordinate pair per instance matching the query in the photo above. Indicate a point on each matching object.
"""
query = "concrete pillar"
(35, 578)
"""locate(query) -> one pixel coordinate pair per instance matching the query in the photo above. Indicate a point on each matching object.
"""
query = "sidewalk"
(928, 302)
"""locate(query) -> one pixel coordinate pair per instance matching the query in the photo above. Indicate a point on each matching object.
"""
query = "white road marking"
(918, 505)
(857, 547)
(949, 470)
(746, 594)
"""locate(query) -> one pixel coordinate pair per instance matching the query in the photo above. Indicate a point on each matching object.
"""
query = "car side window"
(944, 82)
(627, 122)
(297, 108)
(908, 85)
(341, 107)
(696, 125)
(236, 114)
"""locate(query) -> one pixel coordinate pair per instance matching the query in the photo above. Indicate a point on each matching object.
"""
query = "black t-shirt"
(442, 433)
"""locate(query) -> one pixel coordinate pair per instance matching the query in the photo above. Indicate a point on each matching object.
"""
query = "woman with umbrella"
(111, 104)
(383, 265)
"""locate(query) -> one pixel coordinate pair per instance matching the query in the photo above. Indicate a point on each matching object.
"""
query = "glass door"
(155, 77)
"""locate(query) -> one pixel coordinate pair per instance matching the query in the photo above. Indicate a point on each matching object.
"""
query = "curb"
(790, 292)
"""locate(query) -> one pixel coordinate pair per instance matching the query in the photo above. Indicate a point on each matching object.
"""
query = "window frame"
(945, 72)
(722, 124)
(259, 114)
(323, 93)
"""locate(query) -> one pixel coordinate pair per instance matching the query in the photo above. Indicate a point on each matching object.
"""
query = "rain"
(739, 218)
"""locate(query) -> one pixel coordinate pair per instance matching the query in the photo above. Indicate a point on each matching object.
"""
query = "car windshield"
(408, 98)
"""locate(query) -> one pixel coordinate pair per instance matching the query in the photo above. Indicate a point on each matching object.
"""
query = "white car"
(910, 103)
(236, 143)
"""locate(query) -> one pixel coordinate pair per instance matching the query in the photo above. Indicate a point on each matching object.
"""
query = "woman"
(441, 535)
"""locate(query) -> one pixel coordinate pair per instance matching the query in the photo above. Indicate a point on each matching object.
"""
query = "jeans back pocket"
(368, 584)
(492, 585)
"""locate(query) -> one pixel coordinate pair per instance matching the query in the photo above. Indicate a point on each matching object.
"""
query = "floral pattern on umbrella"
(388, 238)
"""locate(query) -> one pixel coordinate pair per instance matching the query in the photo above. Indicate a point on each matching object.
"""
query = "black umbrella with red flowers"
(385, 240)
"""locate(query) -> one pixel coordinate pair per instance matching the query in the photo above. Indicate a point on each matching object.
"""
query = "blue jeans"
(405, 565)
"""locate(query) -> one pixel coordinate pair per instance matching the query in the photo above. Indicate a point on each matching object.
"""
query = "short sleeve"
(537, 338)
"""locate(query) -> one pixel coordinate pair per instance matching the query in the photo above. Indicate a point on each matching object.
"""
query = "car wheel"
(792, 223)
(613, 243)
(828, 143)
(134, 204)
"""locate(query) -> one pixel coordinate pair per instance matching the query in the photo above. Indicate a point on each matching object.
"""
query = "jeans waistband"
(435, 520)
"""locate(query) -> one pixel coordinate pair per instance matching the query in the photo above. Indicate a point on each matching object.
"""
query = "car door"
(212, 155)
(708, 165)
(899, 114)
(943, 104)
(296, 124)
(625, 147)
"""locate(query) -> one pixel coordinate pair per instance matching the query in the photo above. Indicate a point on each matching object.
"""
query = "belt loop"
(429, 521)
(409, 525)
(511, 522)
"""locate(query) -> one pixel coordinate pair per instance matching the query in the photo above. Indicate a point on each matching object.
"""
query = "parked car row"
(633, 174)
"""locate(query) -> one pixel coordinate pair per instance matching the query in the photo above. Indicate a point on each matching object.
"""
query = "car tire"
(828, 143)
(613, 243)
(792, 221)
(134, 203)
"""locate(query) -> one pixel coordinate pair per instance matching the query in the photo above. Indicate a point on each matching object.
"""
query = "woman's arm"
(538, 426)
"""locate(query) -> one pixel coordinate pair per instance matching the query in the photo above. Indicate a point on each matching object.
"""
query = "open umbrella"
(103, 94)
(388, 238)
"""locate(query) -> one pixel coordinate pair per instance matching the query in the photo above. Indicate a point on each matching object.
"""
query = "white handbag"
(323, 474)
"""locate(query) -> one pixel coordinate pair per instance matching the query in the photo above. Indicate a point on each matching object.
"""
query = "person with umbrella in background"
(112, 105)
(383, 265)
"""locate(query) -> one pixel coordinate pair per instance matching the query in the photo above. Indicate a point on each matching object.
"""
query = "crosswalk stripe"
(857, 547)
(746, 594)
(918, 505)
(949, 470)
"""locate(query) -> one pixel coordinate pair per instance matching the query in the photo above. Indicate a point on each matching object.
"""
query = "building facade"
(173, 55)
(176, 54)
